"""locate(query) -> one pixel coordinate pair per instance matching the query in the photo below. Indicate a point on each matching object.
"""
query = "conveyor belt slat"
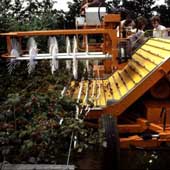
(129, 83)
(147, 55)
(116, 92)
(122, 87)
(149, 66)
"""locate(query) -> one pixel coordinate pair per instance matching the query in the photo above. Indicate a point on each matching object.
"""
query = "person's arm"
(93, 3)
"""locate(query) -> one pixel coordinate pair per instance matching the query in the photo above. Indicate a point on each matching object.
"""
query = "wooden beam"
(137, 141)
(56, 32)
(152, 126)
(131, 128)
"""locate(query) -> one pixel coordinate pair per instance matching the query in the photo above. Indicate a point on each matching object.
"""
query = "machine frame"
(160, 131)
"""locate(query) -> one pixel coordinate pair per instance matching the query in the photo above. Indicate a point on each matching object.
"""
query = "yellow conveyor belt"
(144, 64)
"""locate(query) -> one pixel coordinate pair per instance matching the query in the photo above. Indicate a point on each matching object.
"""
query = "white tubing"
(75, 62)
(68, 51)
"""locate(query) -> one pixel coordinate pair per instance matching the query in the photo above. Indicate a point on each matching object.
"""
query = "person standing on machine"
(158, 29)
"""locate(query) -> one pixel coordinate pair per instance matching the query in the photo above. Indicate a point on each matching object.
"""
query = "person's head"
(129, 23)
(141, 23)
(155, 20)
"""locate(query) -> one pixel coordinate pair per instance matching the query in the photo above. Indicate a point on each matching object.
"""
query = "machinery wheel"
(111, 152)
(161, 90)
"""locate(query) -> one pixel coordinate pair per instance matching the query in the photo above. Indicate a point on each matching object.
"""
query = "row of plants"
(36, 122)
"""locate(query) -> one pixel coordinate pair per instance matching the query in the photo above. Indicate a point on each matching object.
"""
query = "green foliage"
(167, 2)
(138, 7)
(74, 10)
(164, 12)
(26, 15)
(36, 123)
(18, 16)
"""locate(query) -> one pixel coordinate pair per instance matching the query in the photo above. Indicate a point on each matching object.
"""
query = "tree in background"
(29, 15)
(26, 15)
(167, 2)
(139, 7)
(5, 14)
(164, 12)
(74, 10)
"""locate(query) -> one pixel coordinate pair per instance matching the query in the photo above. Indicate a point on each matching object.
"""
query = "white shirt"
(160, 31)
(128, 28)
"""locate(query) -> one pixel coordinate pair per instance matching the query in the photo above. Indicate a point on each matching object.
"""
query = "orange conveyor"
(121, 89)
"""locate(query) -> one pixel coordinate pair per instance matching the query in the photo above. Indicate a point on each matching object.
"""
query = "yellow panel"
(142, 71)
(147, 64)
(161, 39)
(107, 89)
(135, 77)
(158, 51)
(129, 83)
(160, 43)
(151, 50)
(116, 92)
(72, 83)
(100, 97)
(151, 57)
(122, 87)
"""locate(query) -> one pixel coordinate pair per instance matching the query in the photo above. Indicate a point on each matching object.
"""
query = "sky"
(62, 4)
